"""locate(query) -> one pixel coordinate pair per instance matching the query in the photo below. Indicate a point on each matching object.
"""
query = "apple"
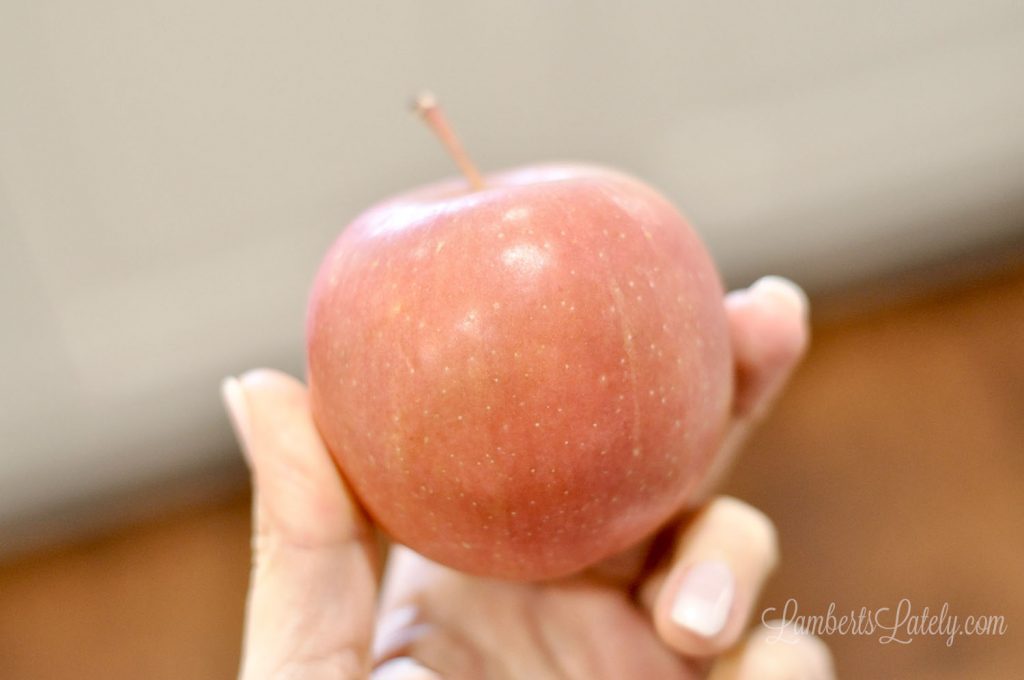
(524, 374)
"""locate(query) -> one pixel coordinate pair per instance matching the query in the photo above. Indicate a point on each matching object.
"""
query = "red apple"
(521, 379)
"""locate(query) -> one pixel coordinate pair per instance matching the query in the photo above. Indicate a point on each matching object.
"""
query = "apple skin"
(520, 381)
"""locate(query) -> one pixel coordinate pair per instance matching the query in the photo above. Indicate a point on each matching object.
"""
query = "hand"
(675, 607)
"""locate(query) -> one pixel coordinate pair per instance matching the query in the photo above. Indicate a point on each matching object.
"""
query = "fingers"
(411, 583)
(768, 325)
(769, 331)
(313, 584)
(704, 600)
(767, 655)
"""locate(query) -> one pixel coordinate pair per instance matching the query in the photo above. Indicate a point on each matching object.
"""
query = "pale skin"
(319, 608)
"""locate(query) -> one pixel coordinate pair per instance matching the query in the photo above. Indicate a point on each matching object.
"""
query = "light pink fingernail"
(238, 410)
(785, 290)
(705, 598)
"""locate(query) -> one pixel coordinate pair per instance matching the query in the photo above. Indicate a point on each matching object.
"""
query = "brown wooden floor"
(894, 467)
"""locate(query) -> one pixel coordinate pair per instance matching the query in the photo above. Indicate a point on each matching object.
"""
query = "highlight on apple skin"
(523, 379)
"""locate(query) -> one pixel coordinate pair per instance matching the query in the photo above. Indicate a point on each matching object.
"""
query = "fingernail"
(233, 394)
(705, 598)
(783, 289)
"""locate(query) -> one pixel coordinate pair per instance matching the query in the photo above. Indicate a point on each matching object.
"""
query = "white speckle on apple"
(518, 213)
(525, 259)
(470, 323)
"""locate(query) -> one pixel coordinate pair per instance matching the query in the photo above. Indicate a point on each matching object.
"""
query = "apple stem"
(427, 107)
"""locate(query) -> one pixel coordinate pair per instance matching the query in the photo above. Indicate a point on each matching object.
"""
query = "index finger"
(314, 577)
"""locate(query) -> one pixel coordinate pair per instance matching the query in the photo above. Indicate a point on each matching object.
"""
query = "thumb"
(314, 577)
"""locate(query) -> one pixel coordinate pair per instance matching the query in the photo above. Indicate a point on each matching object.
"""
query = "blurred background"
(170, 174)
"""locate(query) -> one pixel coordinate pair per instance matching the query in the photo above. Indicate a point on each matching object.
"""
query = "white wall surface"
(171, 171)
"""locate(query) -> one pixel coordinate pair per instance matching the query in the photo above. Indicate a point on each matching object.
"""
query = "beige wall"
(170, 172)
